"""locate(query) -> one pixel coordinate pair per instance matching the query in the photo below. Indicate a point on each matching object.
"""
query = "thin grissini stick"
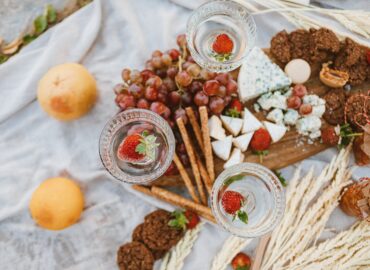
(182, 202)
(193, 161)
(176, 200)
(260, 251)
(186, 178)
(204, 174)
(196, 128)
(207, 142)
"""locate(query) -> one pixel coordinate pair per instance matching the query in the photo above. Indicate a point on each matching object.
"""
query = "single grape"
(195, 86)
(305, 109)
(151, 93)
(135, 76)
(207, 75)
(216, 105)
(190, 59)
(163, 89)
(143, 104)
(171, 72)
(162, 97)
(157, 53)
(174, 54)
(294, 102)
(227, 100)
(201, 99)
(125, 101)
(223, 78)
(193, 70)
(146, 74)
(186, 99)
(136, 90)
(185, 65)
(149, 65)
(154, 81)
(180, 113)
(170, 84)
(299, 90)
(119, 88)
(161, 109)
(174, 99)
(157, 62)
(221, 91)
(232, 88)
(166, 60)
(162, 73)
(183, 78)
(126, 74)
(211, 87)
(181, 40)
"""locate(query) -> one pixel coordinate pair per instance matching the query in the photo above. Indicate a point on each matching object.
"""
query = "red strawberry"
(260, 142)
(235, 108)
(193, 219)
(241, 261)
(232, 201)
(223, 44)
(184, 219)
(136, 147)
(329, 136)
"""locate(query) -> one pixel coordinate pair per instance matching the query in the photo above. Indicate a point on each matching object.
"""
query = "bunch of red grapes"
(172, 81)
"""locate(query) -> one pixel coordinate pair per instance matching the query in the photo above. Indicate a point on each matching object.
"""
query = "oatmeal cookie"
(299, 44)
(335, 101)
(358, 110)
(134, 256)
(137, 236)
(323, 44)
(349, 54)
(358, 73)
(280, 47)
(157, 234)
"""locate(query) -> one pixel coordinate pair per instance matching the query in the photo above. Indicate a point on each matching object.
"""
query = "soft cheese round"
(298, 70)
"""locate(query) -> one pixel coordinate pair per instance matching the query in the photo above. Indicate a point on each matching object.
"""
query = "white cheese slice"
(236, 157)
(222, 148)
(276, 131)
(260, 75)
(216, 130)
(251, 123)
(242, 141)
(232, 124)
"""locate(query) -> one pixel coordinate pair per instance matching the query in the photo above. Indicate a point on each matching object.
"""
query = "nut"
(333, 78)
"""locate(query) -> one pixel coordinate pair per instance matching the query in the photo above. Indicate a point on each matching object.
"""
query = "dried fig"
(333, 78)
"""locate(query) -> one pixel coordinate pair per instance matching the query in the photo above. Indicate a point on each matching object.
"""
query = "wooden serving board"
(291, 149)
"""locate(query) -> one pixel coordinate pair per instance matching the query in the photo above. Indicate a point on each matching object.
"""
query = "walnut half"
(333, 78)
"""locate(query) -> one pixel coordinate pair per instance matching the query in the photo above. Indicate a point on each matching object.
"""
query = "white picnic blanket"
(105, 36)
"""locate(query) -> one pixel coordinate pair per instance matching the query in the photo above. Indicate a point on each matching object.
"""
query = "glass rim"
(259, 171)
(108, 134)
(227, 65)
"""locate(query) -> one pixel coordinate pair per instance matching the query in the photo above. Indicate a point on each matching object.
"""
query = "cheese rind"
(260, 75)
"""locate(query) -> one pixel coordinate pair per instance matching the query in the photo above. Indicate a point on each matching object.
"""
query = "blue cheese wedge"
(291, 117)
(276, 115)
(273, 100)
(259, 75)
(308, 125)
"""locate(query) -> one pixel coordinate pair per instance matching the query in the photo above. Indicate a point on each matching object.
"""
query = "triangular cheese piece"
(243, 141)
(276, 131)
(232, 124)
(222, 148)
(216, 130)
(260, 75)
(251, 123)
(235, 158)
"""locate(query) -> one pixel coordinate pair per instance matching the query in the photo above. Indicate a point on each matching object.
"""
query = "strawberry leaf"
(40, 24)
(51, 14)
(179, 221)
(232, 112)
(245, 267)
(233, 179)
(243, 216)
(281, 178)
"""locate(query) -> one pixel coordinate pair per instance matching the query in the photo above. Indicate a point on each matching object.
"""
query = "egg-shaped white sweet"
(298, 70)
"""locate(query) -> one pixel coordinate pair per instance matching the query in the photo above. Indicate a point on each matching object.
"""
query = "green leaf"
(3, 58)
(179, 220)
(347, 135)
(281, 178)
(233, 113)
(232, 179)
(245, 267)
(51, 14)
(40, 24)
(243, 216)
(221, 57)
(28, 38)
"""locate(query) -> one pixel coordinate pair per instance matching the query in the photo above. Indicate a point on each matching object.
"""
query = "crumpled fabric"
(105, 36)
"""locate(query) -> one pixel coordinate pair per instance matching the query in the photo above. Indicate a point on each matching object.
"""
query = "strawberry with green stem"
(260, 142)
(184, 219)
(241, 261)
(137, 147)
(235, 108)
(232, 202)
(222, 47)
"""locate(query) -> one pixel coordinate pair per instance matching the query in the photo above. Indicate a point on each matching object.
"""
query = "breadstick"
(177, 200)
(204, 174)
(196, 128)
(186, 178)
(207, 142)
(193, 162)
(143, 189)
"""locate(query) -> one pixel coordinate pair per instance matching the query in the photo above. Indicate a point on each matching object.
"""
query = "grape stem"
(180, 63)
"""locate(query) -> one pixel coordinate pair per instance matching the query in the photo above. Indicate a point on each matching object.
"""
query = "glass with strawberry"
(137, 146)
(220, 34)
(248, 200)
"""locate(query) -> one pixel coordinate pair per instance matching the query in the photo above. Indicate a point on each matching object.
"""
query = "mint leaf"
(28, 38)
(3, 58)
(245, 267)
(232, 179)
(281, 178)
(51, 14)
(40, 24)
(243, 216)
